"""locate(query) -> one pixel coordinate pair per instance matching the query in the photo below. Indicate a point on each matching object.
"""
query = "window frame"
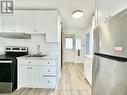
(76, 43)
(73, 38)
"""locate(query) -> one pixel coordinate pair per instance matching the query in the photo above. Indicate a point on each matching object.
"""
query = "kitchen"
(59, 48)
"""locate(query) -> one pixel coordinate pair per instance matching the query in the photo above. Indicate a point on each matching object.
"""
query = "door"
(72, 49)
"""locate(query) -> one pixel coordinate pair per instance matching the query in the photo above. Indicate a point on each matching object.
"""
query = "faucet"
(38, 49)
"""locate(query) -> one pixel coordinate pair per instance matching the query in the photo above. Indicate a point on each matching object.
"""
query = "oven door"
(6, 75)
(5, 70)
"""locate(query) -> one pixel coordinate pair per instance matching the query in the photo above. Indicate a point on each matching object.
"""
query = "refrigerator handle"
(111, 57)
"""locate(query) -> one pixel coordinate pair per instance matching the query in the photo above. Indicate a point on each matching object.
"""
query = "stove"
(8, 67)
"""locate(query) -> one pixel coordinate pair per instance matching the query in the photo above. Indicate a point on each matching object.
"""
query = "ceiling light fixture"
(77, 14)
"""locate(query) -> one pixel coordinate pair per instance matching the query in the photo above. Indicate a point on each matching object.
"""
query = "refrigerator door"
(113, 35)
(97, 78)
(110, 77)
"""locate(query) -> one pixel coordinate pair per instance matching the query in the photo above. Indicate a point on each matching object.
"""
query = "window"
(72, 42)
(69, 43)
(78, 43)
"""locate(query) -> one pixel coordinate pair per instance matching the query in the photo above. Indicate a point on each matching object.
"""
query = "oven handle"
(5, 61)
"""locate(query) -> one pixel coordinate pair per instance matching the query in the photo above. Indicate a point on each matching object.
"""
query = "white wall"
(50, 48)
(69, 55)
(88, 29)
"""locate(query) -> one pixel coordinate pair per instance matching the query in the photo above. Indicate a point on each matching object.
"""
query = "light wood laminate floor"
(72, 83)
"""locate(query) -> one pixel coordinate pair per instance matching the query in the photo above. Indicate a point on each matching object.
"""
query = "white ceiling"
(66, 7)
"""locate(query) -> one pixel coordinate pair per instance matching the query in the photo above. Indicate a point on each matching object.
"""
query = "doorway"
(72, 46)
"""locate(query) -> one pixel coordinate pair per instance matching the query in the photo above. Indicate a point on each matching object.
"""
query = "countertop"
(88, 56)
(47, 57)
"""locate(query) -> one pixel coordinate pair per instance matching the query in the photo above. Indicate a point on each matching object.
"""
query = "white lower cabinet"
(29, 75)
(88, 69)
(37, 73)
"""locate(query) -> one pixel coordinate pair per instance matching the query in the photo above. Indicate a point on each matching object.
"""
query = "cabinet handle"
(13, 30)
(35, 30)
(48, 62)
(28, 68)
(48, 81)
(48, 70)
(108, 17)
(29, 62)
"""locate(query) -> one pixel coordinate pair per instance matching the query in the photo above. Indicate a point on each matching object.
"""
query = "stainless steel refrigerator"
(110, 57)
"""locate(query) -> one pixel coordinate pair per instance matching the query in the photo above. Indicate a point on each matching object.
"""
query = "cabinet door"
(1, 24)
(34, 72)
(23, 75)
(36, 21)
(40, 21)
(23, 21)
(88, 70)
(51, 26)
(9, 24)
(105, 10)
(120, 5)
(29, 76)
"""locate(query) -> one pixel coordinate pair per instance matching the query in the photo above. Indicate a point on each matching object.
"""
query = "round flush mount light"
(77, 14)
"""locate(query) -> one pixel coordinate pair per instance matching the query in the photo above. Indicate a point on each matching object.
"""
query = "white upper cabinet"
(120, 5)
(37, 21)
(34, 22)
(108, 8)
(22, 22)
(104, 10)
(1, 22)
(31, 21)
(52, 24)
(25, 21)
(40, 22)
(8, 23)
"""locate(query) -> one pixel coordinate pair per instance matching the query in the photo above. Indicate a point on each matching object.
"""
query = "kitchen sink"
(36, 55)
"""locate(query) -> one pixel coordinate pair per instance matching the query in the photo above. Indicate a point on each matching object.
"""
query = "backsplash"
(50, 48)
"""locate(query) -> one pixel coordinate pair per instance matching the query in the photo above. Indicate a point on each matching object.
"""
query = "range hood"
(15, 35)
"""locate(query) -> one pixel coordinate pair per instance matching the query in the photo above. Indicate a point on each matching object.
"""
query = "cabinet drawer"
(37, 62)
(48, 70)
(30, 62)
(23, 62)
(48, 82)
(49, 62)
